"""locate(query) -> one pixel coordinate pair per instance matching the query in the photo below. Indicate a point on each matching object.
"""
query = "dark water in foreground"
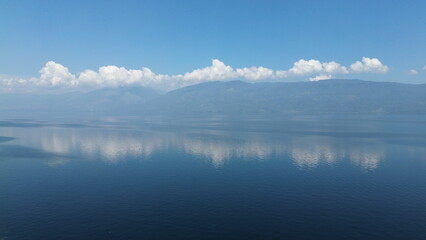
(213, 178)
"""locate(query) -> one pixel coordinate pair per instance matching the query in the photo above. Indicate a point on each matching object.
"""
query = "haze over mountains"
(129, 99)
(236, 97)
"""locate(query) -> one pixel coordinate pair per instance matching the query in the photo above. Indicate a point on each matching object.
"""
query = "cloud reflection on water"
(115, 145)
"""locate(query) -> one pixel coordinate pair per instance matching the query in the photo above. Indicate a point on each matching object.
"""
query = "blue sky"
(176, 37)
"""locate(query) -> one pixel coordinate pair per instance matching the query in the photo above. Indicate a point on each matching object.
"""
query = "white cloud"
(56, 75)
(255, 73)
(114, 74)
(424, 68)
(412, 72)
(334, 68)
(89, 77)
(303, 67)
(369, 65)
(320, 77)
(307, 67)
(10, 81)
(119, 76)
(217, 71)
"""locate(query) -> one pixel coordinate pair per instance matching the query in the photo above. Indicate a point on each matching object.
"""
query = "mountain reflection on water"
(117, 141)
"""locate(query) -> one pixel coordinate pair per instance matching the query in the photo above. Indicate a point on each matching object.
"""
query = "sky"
(170, 44)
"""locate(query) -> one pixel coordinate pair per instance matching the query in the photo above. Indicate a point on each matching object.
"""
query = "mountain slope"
(121, 99)
(327, 96)
(235, 97)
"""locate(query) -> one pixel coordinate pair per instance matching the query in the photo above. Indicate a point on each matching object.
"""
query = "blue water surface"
(213, 177)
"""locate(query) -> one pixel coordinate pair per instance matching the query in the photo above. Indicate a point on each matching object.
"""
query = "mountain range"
(333, 96)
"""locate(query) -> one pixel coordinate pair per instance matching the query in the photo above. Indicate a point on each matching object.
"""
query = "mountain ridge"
(326, 96)
(333, 96)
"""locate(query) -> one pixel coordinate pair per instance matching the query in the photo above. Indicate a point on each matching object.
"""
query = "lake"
(213, 177)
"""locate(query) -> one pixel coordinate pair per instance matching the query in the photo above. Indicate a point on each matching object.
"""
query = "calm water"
(297, 177)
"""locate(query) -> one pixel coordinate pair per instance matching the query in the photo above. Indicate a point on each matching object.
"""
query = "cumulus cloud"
(412, 72)
(335, 68)
(369, 65)
(56, 75)
(255, 73)
(119, 76)
(217, 71)
(320, 77)
(303, 67)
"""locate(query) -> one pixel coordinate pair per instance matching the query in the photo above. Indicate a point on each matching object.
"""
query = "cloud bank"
(55, 75)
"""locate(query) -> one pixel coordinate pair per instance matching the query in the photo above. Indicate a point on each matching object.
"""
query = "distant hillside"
(121, 99)
(322, 97)
(236, 97)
